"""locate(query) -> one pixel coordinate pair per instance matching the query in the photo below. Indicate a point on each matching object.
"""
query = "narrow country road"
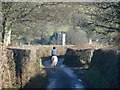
(62, 77)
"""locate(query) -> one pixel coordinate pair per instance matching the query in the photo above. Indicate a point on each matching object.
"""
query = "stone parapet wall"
(22, 64)
(78, 58)
(101, 66)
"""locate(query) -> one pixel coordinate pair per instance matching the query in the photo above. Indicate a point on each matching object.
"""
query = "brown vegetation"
(101, 66)
(22, 65)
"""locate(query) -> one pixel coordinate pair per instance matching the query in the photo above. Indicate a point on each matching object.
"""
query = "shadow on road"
(38, 81)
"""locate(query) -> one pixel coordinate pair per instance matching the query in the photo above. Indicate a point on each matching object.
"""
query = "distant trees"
(109, 17)
(53, 39)
(41, 20)
(76, 36)
(14, 13)
(23, 40)
(102, 18)
(106, 20)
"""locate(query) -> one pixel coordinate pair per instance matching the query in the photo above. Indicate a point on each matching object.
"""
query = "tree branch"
(107, 27)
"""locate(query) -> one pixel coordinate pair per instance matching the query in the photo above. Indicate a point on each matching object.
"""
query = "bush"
(76, 36)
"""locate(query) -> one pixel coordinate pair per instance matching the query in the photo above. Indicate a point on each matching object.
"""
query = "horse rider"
(54, 58)
(54, 52)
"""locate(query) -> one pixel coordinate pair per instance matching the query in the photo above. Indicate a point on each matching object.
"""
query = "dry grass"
(94, 46)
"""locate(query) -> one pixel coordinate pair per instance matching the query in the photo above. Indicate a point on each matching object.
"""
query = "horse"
(54, 60)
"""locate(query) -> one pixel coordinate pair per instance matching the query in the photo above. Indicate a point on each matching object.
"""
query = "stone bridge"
(23, 65)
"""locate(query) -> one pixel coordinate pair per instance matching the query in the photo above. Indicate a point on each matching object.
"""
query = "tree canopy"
(32, 20)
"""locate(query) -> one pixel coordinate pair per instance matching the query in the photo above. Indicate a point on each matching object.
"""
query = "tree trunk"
(0, 46)
(7, 37)
(3, 27)
(0, 68)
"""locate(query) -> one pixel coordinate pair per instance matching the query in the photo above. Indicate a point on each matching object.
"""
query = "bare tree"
(13, 12)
